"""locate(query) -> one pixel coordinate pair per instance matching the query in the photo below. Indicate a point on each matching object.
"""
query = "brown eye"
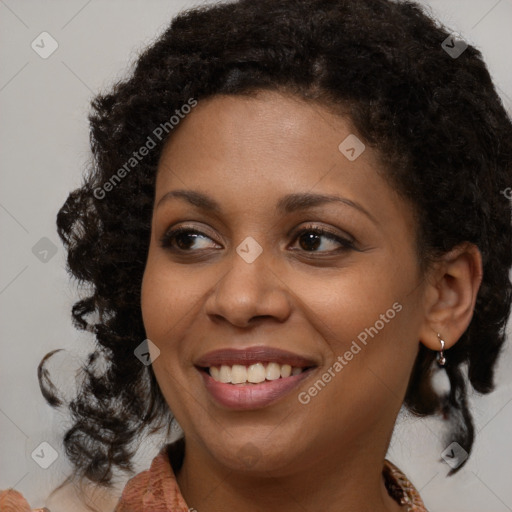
(185, 239)
(182, 239)
(310, 239)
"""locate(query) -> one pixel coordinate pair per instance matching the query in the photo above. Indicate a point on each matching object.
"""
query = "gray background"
(44, 149)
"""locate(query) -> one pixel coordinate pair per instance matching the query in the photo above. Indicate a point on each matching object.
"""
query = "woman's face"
(251, 287)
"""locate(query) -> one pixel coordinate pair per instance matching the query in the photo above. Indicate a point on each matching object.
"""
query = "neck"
(347, 480)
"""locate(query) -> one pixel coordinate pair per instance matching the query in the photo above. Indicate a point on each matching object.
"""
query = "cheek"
(170, 300)
(162, 308)
(165, 297)
(370, 319)
(351, 300)
(154, 300)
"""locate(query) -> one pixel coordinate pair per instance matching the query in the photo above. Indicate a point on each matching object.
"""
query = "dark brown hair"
(436, 121)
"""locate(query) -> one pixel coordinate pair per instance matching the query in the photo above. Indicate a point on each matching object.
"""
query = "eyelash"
(167, 240)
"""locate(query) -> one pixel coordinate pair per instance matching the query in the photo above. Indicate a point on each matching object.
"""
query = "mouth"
(252, 378)
(256, 373)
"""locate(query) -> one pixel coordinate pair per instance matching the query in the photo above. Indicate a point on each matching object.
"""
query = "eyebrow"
(287, 204)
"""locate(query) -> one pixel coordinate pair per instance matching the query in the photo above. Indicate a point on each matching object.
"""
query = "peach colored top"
(156, 489)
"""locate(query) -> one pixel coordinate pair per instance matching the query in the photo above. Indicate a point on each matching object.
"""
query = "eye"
(183, 239)
(310, 239)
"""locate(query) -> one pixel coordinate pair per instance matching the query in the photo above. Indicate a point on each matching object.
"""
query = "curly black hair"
(437, 122)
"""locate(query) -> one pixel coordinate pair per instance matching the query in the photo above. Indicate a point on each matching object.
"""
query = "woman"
(295, 216)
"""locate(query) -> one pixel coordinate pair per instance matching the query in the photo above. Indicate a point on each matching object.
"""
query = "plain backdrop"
(44, 149)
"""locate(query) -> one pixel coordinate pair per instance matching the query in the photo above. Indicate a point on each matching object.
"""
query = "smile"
(252, 378)
(253, 374)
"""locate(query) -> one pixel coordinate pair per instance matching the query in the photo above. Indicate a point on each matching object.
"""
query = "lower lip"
(252, 396)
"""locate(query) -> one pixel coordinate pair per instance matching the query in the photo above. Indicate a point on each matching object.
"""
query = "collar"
(156, 489)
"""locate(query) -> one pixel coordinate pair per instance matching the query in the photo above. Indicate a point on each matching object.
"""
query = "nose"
(248, 293)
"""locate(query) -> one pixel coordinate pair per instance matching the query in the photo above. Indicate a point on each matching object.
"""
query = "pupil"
(309, 238)
(181, 236)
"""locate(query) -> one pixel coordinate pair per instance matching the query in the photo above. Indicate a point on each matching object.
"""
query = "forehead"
(253, 150)
(252, 134)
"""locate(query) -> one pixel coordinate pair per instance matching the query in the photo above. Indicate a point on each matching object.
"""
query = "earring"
(441, 360)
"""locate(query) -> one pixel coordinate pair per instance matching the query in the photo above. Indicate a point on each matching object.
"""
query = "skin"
(246, 153)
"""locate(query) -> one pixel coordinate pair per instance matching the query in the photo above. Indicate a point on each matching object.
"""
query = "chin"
(257, 456)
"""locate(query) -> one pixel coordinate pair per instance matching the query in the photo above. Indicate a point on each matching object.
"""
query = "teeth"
(225, 374)
(254, 374)
(286, 370)
(215, 372)
(238, 374)
(273, 371)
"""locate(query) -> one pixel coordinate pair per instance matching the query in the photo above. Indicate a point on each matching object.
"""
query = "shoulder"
(155, 489)
(133, 492)
(401, 488)
(13, 501)
(66, 497)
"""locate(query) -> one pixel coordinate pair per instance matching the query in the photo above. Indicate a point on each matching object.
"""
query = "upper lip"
(251, 355)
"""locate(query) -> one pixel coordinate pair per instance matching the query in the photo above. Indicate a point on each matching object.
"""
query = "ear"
(451, 291)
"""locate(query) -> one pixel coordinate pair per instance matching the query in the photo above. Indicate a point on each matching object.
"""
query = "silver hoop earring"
(441, 360)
